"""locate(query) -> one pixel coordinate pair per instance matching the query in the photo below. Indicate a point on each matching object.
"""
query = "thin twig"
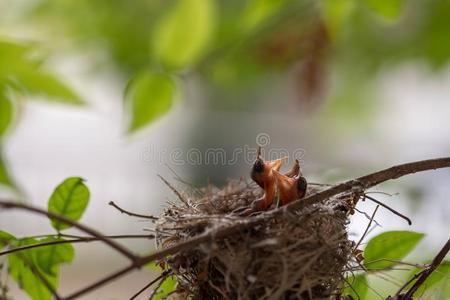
(176, 192)
(367, 216)
(163, 275)
(113, 244)
(415, 276)
(131, 213)
(428, 271)
(72, 241)
(389, 208)
(367, 228)
(155, 290)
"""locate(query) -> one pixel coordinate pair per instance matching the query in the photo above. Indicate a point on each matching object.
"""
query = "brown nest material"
(301, 255)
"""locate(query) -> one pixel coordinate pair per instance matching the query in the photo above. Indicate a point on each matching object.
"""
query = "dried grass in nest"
(299, 256)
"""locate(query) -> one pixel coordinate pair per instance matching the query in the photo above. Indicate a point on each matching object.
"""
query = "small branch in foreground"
(174, 190)
(160, 277)
(389, 208)
(72, 241)
(113, 244)
(367, 228)
(131, 213)
(424, 274)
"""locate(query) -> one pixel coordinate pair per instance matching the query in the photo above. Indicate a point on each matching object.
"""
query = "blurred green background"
(107, 90)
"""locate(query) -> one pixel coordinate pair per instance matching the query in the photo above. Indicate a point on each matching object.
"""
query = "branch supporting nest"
(226, 226)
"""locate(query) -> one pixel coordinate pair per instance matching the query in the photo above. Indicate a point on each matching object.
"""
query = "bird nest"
(301, 255)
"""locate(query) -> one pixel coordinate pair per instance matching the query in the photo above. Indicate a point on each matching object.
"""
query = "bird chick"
(262, 174)
(287, 187)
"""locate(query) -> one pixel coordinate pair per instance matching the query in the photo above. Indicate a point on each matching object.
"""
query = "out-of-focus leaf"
(21, 270)
(70, 199)
(11, 50)
(148, 97)
(336, 14)
(5, 178)
(358, 289)
(169, 284)
(389, 9)
(441, 273)
(382, 250)
(5, 238)
(183, 34)
(258, 11)
(44, 84)
(434, 35)
(6, 112)
(49, 258)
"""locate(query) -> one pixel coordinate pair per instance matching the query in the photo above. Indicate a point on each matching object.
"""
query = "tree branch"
(367, 228)
(389, 208)
(131, 213)
(113, 244)
(424, 274)
(74, 240)
(160, 277)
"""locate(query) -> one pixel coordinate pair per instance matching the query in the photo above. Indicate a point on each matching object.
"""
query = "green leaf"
(392, 245)
(149, 96)
(5, 178)
(169, 284)
(442, 272)
(44, 84)
(389, 9)
(20, 269)
(49, 258)
(13, 51)
(359, 284)
(336, 14)
(258, 11)
(183, 34)
(6, 112)
(70, 199)
(5, 238)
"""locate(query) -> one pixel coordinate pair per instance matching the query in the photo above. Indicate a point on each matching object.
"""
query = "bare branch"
(176, 192)
(160, 277)
(367, 228)
(74, 240)
(424, 274)
(113, 244)
(389, 208)
(131, 213)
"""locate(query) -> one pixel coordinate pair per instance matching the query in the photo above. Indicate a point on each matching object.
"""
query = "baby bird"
(287, 187)
(263, 174)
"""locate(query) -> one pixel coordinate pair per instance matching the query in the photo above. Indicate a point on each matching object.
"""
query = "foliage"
(148, 96)
(22, 74)
(358, 287)
(35, 268)
(167, 286)
(383, 252)
(69, 199)
(187, 26)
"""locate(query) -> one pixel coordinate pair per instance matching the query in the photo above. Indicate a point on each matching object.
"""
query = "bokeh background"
(106, 90)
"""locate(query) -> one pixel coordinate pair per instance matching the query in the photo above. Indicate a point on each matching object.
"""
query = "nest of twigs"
(300, 255)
